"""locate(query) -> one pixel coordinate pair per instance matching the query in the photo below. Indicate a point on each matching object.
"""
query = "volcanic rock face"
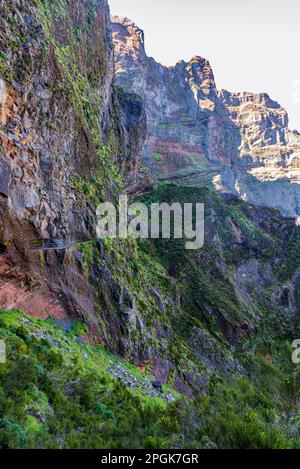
(133, 119)
(239, 142)
(60, 126)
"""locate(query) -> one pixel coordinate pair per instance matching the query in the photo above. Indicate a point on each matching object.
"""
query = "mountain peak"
(245, 135)
(126, 29)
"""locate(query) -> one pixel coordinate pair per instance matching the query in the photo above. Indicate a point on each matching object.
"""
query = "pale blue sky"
(252, 45)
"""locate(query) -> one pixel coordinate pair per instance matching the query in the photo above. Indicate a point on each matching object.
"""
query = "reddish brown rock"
(244, 137)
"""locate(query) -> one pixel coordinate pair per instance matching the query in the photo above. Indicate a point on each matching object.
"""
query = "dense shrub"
(50, 398)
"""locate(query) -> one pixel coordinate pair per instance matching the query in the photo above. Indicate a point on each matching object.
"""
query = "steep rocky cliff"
(65, 142)
(216, 322)
(70, 139)
(239, 142)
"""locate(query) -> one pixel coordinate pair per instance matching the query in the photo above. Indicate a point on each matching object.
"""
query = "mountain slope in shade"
(239, 142)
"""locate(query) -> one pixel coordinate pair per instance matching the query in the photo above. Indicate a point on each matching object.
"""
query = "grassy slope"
(57, 392)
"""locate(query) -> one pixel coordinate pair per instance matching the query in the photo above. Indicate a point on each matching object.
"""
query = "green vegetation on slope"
(58, 392)
(217, 337)
(82, 82)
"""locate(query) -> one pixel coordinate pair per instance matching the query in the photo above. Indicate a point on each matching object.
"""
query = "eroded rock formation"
(239, 142)
(64, 140)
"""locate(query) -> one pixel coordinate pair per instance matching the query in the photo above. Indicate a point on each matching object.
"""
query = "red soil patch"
(38, 303)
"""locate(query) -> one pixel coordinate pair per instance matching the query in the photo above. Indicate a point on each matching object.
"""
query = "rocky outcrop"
(64, 141)
(133, 118)
(238, 142)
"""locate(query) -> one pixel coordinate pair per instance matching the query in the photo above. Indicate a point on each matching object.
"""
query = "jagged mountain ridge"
(238, 142)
